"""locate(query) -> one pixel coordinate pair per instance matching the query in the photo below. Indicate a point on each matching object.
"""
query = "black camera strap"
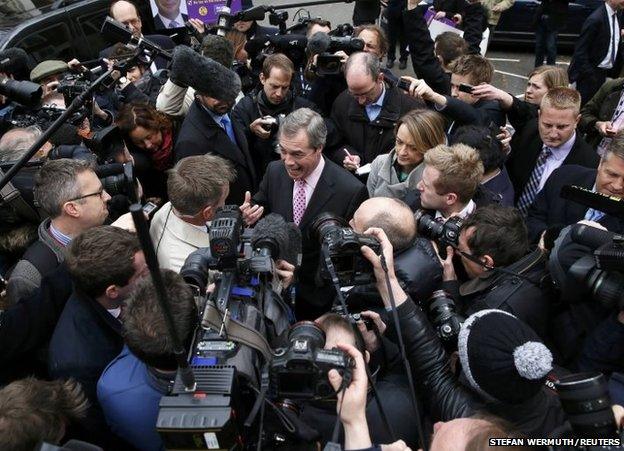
(11, 196)
(406, 364)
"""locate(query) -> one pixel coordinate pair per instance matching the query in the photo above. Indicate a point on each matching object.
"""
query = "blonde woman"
(392, 174)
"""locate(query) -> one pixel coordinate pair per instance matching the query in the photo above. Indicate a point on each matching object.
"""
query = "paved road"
(511, 64)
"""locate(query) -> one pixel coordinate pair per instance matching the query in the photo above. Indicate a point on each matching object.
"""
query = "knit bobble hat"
(503, 359)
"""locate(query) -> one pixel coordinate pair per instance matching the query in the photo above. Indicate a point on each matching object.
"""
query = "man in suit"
(550, 17)
(127, 13)
(300, 187)
(545, 143)
(196, 187)
(208, 128)
(104, 263)
(365, 114)
(597, 53)
(550, 210)
(169, 15)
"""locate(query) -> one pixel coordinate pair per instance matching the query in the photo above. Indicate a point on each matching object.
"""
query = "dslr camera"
(442, 314)
(299, 370)
(340, 249)
(444, 233)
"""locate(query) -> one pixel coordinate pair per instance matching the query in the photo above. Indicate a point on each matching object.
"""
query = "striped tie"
(532, 187)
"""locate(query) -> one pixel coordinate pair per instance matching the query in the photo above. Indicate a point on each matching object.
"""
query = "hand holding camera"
(261, 127)
(351, 405)
(371, 327)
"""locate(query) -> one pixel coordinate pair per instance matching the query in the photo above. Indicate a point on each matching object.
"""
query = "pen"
(349, 155)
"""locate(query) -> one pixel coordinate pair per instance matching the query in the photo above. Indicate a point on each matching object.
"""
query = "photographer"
(71, 194)
(197, 186)
(260, 112)
(450, 183)
(495, 237)
(130, 388)
(365, 114)
(462, 107)
(417, 265)
(514, 389)
(48, 74)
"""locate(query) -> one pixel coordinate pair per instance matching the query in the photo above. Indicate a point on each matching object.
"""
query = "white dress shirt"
(607, 63)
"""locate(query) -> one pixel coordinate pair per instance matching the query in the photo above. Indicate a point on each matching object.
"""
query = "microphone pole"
(185, 371)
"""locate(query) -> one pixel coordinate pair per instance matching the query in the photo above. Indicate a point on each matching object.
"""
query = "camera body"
(342, 246)
(299, 371)
(72, 85)
(444, 233)
(442, 314)
(274, 123)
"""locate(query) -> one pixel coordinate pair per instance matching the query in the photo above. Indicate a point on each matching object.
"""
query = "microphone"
(279, 239)
(255, 13)
(206, 76)
(15, 61)
(254, 46)
(610, 205)
(288, 41)
(589, 236)
(318, 43)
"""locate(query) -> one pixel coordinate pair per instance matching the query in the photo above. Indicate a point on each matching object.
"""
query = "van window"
(51, 42)
(90, 24)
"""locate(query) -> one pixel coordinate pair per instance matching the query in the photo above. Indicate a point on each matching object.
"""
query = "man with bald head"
(415, 260)
(127, 12)
(366, 112)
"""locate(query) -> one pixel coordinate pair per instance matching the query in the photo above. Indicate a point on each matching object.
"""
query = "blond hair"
(562, 99)
(460, 170)
(426, 127)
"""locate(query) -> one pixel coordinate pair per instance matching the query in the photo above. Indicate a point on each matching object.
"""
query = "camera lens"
(326, 223)
(308, 331)
(587, 403)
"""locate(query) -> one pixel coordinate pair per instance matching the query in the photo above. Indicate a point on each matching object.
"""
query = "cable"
(406, 364)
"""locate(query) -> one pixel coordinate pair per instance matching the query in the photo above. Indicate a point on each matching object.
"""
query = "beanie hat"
(46, 68)
(503, 359)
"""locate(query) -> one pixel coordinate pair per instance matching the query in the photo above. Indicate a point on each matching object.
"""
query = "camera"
(585, 400)
(340, 247)
(444, 233)
(464, 87)
(72, 85)
(23, 92)
(442, 314)
(275, 122)
(342, 30)
(299, 371)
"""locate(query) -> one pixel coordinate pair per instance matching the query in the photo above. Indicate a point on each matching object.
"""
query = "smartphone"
(149, 209)
(464, 87)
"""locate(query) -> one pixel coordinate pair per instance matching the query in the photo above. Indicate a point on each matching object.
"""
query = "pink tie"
(299, 201)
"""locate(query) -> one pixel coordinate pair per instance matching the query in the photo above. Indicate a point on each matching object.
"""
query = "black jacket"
(338, 192)
(85, 340)
(200, 135)
(526, 146)
(555, 12)
(481, 198)
(365, 12)
(521, 295)
(254, 106)
(483, 112)
(363, 137)
(550, 210)
(592, 46)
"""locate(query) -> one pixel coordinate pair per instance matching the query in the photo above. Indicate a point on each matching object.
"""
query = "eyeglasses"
(366, 94)
(97, 193)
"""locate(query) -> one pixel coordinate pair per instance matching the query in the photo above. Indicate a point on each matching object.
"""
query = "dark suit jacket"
(592, 46)
(337, 192)
(200, 135)
(483, 112)
(526, 146)
(163, 41)
(160, 25)
(549, 209)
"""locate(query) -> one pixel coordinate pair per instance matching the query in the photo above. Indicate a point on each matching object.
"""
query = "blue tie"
(594, 215)
(226, 123)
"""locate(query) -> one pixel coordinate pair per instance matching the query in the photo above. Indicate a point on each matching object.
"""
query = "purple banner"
(208, 10)
(429, 15)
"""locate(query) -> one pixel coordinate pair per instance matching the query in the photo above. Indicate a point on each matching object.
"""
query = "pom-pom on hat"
(503, 359)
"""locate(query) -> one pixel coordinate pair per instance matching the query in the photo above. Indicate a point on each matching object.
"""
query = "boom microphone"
(14, 61)
(318, 43)
(206, 76)
(610, 205)
(255, 13)
(288, 41)
(282, 240)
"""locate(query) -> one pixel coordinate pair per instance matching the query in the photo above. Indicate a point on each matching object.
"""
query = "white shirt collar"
(464, 213)
(179, 19)
(312, 179)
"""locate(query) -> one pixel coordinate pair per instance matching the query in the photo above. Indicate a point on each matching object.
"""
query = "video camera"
(340, 251)
(23, 92)
(599, 274)
(325, 46)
